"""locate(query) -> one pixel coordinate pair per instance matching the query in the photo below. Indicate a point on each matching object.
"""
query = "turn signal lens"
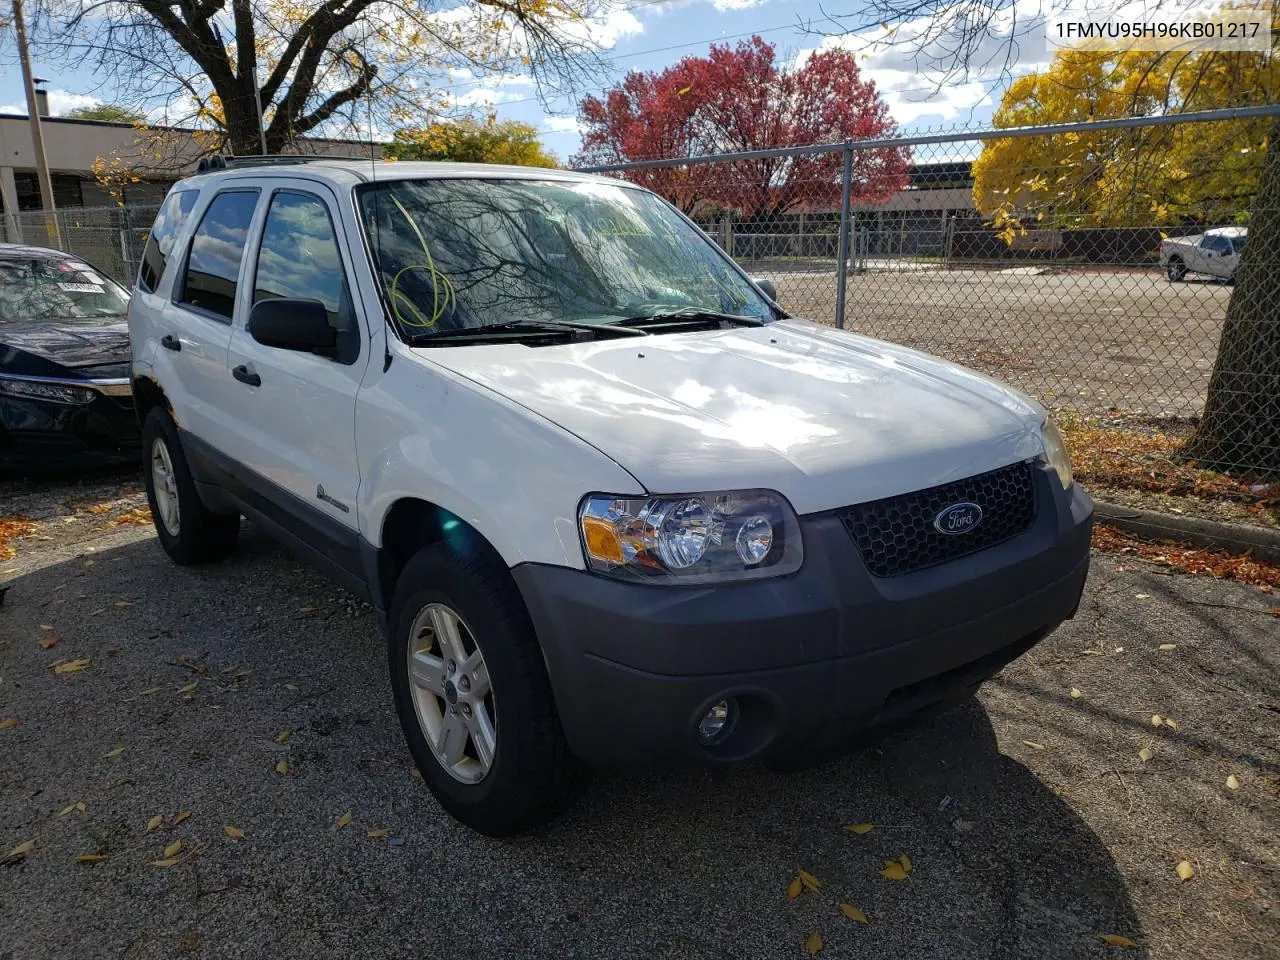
(601, 540)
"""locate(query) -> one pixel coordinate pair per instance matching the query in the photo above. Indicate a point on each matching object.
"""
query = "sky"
(652, 34)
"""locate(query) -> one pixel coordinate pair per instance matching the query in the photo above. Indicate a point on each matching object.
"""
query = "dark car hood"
(40, 346)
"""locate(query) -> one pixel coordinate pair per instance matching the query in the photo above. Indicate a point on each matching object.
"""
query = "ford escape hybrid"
(613, 506)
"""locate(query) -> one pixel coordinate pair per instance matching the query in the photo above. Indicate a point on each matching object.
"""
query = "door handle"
(170, 342)
(242, 374)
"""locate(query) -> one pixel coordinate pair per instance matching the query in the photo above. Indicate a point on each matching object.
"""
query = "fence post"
(842, 256)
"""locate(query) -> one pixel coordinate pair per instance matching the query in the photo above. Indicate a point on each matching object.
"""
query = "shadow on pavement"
(684, 865)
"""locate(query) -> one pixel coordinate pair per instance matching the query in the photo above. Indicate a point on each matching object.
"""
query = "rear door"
(195, 322)
(294, 411)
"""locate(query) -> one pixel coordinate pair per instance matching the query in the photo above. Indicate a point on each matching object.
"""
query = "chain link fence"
(1094, 266)
(109, 238)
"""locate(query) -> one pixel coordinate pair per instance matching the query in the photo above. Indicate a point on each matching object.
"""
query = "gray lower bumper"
(815, 659)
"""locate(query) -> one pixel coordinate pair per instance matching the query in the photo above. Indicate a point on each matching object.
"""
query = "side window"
(1217, 244)
(177, 207)
(298, 257)
(216, 251)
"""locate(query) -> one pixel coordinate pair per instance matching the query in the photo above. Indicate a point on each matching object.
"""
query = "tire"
(531, 776)
(1177, 270)
(198, 535)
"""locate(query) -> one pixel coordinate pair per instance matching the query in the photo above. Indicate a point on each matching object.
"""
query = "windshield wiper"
(692, 315)
(522, 328)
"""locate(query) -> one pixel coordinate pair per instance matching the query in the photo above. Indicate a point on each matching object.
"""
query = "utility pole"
(37, 136)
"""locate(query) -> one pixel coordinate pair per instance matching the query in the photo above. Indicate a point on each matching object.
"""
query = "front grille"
(896, 535)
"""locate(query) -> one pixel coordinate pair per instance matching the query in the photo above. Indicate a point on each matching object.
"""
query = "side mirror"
(293, 325)
(766, 287)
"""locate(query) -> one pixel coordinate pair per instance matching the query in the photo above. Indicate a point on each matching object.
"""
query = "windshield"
(455, 254)
(1237, 244)
(39, 289)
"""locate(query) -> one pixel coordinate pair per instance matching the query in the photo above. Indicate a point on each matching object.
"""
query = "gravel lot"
(1032, 823)
(1081, 339)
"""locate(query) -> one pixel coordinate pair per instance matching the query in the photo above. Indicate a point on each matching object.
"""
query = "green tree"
(106, 111)
(470, 141)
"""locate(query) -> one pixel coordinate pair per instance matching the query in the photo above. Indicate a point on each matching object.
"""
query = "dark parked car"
(65, 398)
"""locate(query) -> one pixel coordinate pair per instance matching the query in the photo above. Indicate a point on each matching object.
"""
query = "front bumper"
(43, 434)
(816, 659)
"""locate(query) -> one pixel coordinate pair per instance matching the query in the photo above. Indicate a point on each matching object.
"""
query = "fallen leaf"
(416, 774)
(1142, 596)
(1171, 723)
(282, 767)
(123, 603)
(283, 735)
(379, 833)
(893, 870)
(21, 850)
(230, 669)
(1033, 745)
(794, 888)
(113, 753)
(8, 723)
(43, 626)
(343, 821)
(1168, 646)
(90, 857)
(1115, 940)
(235, 833)
(291, 687)
(853, 913)
(306, 609)
(860, 828)
(173, 849)
(49, 641)
(72, 808)
(189, 687)
(167, 862)
(154, 823)
(1184, 870)
(71, 666)
(1145, 754)
(809, 880)
(813, 944)
(906, 862)
(1156, 719)
(1232, 782)
(184, 815)
(1075, 693)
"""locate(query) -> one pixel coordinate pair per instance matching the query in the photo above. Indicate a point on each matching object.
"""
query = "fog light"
(718, 722)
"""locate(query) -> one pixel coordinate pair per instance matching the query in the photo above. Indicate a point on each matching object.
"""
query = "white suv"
(612, 505)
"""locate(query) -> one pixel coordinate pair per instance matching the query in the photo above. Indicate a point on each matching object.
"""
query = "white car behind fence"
(1215, 252)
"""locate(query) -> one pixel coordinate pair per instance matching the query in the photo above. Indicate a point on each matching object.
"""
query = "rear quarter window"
(164, 234)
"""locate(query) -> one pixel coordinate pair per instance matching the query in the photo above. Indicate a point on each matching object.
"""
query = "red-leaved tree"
(739, 99)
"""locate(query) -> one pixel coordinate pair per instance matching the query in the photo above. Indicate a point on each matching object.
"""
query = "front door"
(294, 410)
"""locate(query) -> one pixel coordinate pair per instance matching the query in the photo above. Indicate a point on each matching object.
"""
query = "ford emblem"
(958, 518)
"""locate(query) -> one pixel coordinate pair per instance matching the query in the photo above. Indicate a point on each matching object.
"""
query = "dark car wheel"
(189, 532)
(473, 696)
(1177, 270)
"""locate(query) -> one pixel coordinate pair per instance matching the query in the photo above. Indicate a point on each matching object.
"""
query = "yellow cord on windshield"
(443, 296)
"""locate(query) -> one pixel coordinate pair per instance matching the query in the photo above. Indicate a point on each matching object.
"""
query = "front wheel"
(473, 697)
(188, 531)
(1177, 270)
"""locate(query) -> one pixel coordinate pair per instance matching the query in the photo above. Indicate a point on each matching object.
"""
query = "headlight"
(693, 538)
(38, 390)
(1055, 452)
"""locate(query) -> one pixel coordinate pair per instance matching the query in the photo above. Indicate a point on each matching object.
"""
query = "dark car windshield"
(456, 254)
(44, 289)
(1237, 244)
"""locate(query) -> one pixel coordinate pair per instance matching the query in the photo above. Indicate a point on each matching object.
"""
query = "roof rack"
(221, 162)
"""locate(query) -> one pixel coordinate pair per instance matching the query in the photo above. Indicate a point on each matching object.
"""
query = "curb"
(1262, 542)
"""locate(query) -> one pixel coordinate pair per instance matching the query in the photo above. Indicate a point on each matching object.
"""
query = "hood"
(41, 346)
(825, 417)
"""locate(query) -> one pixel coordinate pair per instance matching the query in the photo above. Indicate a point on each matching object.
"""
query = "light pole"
(37, 135)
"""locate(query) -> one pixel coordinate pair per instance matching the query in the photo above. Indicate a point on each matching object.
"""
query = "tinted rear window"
(164, 233)
(213, 268)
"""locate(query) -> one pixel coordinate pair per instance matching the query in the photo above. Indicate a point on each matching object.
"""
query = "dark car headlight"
(41, 390)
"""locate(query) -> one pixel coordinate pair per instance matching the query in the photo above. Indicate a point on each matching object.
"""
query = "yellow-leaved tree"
(1204, 172)
(472, 141)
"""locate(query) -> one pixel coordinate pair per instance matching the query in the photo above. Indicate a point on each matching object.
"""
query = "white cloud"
(61, 102)
(735, 4)
(562, 124)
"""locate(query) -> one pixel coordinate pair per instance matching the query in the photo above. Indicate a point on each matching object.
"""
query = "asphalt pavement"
(252, 694)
